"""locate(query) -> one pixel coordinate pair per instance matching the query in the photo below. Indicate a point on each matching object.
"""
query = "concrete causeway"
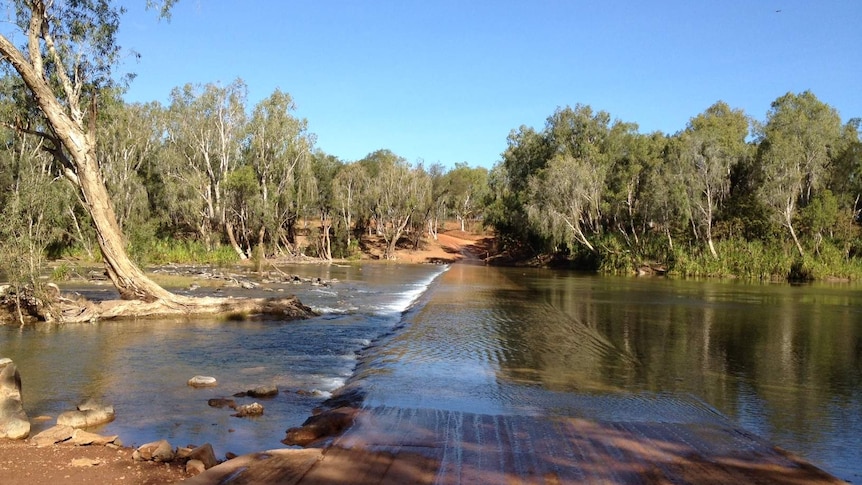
(390, 445)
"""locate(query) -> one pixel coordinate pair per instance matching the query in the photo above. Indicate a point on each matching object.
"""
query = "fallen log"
(59, 308)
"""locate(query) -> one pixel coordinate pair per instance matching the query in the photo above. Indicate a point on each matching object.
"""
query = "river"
(781, 361)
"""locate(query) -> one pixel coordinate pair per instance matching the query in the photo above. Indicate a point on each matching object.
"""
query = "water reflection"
(783, 362)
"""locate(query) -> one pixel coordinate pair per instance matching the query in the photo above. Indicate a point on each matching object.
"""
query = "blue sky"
(446, 81)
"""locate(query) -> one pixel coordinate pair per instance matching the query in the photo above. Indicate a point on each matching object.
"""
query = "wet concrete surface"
(390, 445)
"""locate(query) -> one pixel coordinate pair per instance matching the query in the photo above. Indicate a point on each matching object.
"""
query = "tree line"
(208, 168)
(726, 195)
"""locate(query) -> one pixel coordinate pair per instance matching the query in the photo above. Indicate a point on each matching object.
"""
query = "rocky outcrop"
(69, 435)
(87, 415)
(14, 423)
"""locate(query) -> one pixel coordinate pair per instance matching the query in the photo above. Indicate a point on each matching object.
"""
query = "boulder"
(156, 451)
(13, 420)
(195, 467)
(263, 391)
(87, 415)
(253, 409)
(203, 381)
(53, 435)
(84, 438)
(205, 455)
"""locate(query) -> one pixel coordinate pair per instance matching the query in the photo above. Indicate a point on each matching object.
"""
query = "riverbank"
(356, 462)
(25, 464)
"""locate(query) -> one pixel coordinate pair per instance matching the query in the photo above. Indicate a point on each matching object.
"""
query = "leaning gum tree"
(63, 52)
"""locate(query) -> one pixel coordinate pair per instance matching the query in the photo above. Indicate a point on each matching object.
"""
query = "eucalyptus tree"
(278, 147)
(565, 198)
(348, 185)
(325, 167)
(466, 188)
(32, 202)
(796, 146)
(710, 146)
(561, 199)
(130, 138)
(633, 157)
(400, 193)
(206, 131)
(63, 52)
(440, 198)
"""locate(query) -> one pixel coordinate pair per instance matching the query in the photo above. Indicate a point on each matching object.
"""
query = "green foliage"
(703, 202)
(166, 251)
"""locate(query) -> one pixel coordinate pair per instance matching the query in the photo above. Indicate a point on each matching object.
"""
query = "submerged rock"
(220, 402)
(323, 425)
(263, 391)
(14, 423)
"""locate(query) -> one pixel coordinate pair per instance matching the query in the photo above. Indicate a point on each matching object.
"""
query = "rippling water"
(784, 362)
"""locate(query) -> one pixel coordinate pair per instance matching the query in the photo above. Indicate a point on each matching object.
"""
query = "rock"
(205, 455)
(87, 415)
(220, 402)
(263, 391)
(156, 451)
(195, 467)
(53, 435)
(84, 438)
(253, 409)
(85, 462)
(321, 426)
(13, 420)
(203, 381)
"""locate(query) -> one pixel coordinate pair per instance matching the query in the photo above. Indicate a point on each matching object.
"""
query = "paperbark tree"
(278, 147)
(347, 186)
(64, 61)
(466, 188)
(797, 143)
(711, 145)
(206, 129)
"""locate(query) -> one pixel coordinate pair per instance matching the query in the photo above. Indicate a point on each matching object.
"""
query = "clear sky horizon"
(446, 81)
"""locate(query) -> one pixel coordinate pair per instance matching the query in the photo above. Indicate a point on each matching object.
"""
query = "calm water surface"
(784, 362)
